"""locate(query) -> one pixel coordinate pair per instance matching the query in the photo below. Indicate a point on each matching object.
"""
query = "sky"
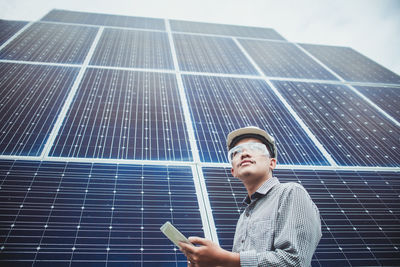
(372, 27)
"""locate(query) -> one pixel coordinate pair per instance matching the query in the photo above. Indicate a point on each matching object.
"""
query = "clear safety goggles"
(249, 147)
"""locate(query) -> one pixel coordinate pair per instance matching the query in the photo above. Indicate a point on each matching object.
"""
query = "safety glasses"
(249, 147)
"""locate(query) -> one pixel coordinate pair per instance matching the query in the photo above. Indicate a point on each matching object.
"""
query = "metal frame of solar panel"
(111, 125)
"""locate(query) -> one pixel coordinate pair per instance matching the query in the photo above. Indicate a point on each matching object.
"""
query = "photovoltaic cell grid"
(360, 213)
(280, 59)
(125, 115)
(42, 219)
(9, 28)
(387, 98)
(59, 213)
(45, 42)
(210, 54)
(352, 131)
(31, 98)
(223, 29)
(104, 19)
(219, 105)
(133, 49)
(351, 65)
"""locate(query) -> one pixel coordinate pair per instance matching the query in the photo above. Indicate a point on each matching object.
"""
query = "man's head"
(254, 132)
(252, 153)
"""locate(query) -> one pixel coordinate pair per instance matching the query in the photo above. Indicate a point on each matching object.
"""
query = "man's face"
(252, 164)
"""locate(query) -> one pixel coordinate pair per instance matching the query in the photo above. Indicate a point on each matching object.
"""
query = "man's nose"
(244, 154)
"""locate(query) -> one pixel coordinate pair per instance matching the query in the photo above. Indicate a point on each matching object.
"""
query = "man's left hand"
(208, 254)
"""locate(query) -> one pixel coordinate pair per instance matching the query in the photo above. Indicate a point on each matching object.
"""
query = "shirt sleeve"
(297, 233)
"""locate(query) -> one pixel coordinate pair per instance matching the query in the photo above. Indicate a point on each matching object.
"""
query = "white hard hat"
(252, 131)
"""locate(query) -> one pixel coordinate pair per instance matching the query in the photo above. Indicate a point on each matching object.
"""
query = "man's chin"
(245, 173)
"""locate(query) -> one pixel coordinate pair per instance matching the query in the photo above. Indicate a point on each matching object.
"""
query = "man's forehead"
(248, 140)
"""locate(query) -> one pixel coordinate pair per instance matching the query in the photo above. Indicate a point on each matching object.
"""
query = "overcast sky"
(372, 27)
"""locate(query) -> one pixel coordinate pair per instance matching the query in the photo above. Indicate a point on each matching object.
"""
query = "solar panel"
(351, 65)
(130, 48)
(66, 16)
(84, 213)
(82, 204)
(359, 212)
(124, 115)
(281, 59)
(219, 105)
(223, 29)
(46, 42)
(387, 98)
(31, 98)
(9, 28)
(352, 131)
(210, 54)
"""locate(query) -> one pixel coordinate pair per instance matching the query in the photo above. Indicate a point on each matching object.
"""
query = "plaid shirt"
(280, 226)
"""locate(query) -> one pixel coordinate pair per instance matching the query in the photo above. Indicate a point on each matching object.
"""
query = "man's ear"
(232, 171)
(272, 164)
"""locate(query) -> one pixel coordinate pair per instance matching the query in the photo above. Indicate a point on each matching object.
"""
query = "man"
(280, 225)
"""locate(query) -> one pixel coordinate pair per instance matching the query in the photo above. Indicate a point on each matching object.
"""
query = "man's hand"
(208, 254)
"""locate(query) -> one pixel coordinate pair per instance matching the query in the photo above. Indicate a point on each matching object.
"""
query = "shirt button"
(247, 214)
(242, 240)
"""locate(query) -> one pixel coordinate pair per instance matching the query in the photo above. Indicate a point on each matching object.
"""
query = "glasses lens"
(251, 147)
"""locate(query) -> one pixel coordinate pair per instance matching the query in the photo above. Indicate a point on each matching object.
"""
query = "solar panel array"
(77, 213)
(220, 105)
(30, 100)
(359, 213)
(44, 42)
(112, 125)
(352, 131)
(119, 114)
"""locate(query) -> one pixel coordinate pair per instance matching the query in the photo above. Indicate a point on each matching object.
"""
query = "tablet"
(173, 234)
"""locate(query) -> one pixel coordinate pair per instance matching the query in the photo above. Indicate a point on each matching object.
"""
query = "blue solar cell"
(119, 114)
(351, 130)
(72, 213)
(223, 29)
(219, 105)
(58, 43)
(387, 98)
(31, 98)
(130, 48)
(351, 65)
(9, 28)
(210, 54)
(104, 19)
(281, 59)
(357, 213)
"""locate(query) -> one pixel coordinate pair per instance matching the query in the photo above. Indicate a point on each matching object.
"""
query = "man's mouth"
(246, 162)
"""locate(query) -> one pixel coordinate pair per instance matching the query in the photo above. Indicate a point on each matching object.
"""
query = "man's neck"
(252, 186)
